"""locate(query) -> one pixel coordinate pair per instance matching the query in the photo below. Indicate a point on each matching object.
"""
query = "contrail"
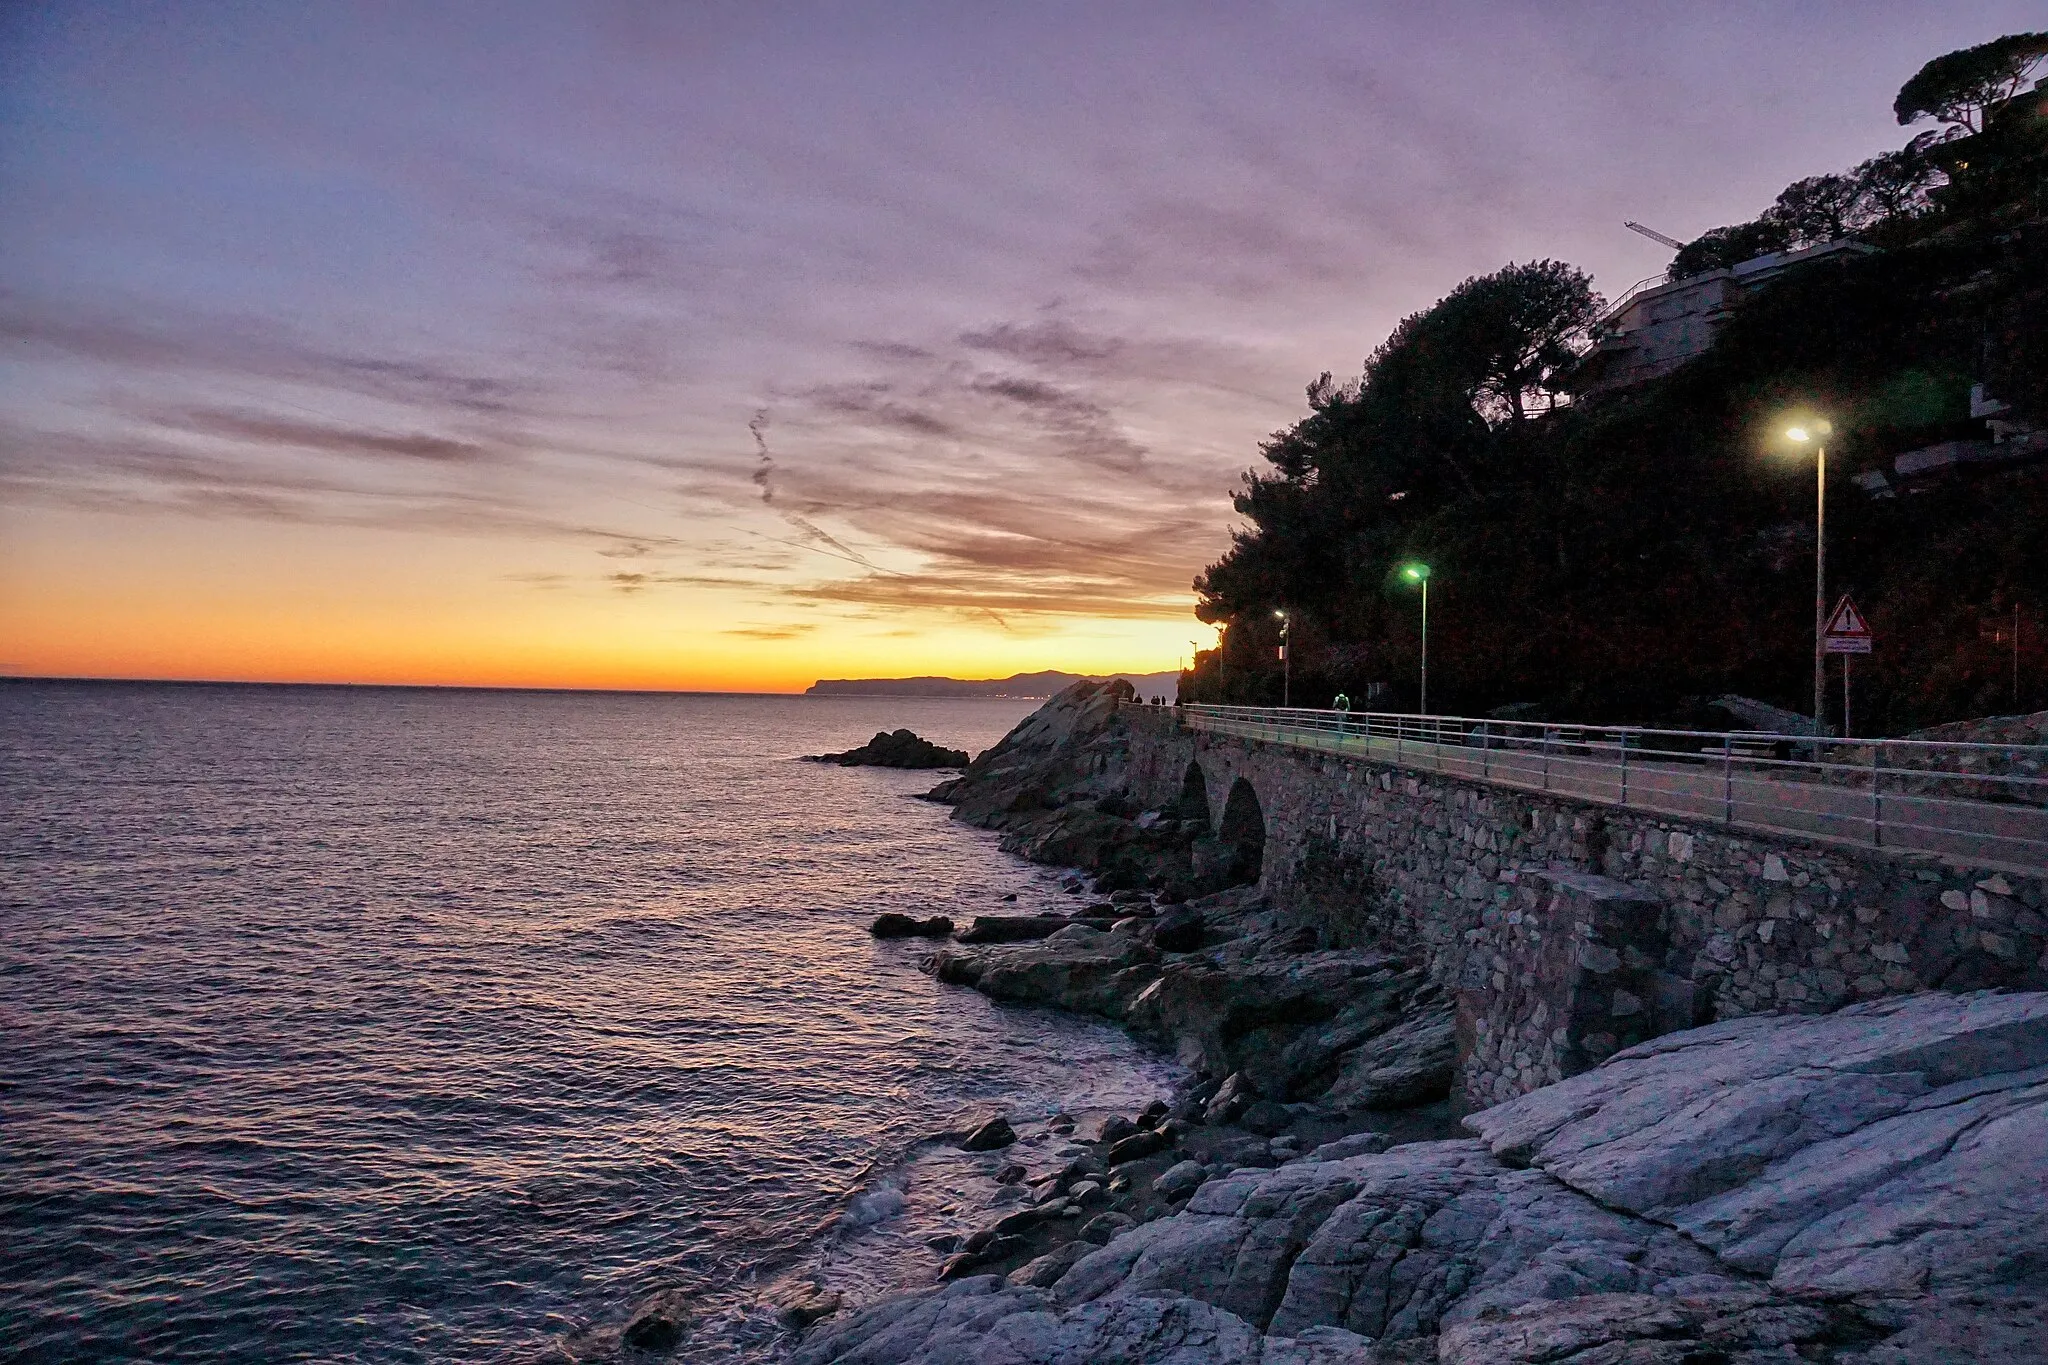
(764, 479)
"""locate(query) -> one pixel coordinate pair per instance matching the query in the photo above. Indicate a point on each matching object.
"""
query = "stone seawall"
(1713, 925)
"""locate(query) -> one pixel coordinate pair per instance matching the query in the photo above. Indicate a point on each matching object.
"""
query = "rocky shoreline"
(1860, 1186)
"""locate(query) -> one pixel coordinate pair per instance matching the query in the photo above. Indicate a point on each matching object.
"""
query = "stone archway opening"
(1194, 797)
(1243, 833)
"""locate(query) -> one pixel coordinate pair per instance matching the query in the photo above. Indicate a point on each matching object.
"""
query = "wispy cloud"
(788, 632)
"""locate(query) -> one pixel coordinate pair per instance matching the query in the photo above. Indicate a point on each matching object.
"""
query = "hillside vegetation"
(1630, 556)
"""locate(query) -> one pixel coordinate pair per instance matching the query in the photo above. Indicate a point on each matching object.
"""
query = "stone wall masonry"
(1429, 865)
(1564, 975)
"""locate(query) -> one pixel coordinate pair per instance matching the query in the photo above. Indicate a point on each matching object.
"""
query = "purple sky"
(1009, 291)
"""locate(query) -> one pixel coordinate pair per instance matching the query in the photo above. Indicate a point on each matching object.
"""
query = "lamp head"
(1415, 573)
(1808, 429)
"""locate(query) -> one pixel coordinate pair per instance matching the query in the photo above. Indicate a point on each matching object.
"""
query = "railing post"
(1624, 767)
(1546, 758)
(1728, 778)
(1876, 795)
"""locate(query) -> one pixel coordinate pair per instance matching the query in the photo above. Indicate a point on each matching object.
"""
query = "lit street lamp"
(1419, 573)
(1286, 664)
(1817, 432)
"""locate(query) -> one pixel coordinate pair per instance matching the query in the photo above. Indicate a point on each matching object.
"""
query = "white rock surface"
(1869, 1187)
(1892, 1147)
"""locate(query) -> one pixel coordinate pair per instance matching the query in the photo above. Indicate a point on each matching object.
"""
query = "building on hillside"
(1655, 328)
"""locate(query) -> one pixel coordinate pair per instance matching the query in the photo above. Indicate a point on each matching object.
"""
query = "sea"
(385, 1024)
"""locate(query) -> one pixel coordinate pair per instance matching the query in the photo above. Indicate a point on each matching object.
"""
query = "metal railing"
(1984, 804)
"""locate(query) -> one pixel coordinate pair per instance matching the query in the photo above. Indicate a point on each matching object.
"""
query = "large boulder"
(1251, 1014)
(1079, 968)
(1048, 758)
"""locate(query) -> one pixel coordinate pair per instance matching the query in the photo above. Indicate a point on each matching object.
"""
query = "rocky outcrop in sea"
(896, 749)
(1866, 1186)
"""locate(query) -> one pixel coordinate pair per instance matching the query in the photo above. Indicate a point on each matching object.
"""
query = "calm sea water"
(393, 1025)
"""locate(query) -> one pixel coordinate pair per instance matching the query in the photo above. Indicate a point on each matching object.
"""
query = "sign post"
(1847, 634)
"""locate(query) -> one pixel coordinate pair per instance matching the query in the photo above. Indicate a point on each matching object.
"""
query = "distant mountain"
(1149, 685)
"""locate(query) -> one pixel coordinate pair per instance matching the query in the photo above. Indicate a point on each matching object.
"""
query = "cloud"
(176, 340)
(258, 428)
(788, 632)
(1048, 341)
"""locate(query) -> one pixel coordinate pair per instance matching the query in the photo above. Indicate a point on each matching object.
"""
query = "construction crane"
(1654, 235)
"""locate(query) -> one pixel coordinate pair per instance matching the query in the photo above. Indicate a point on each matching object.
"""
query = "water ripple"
(371, 1025)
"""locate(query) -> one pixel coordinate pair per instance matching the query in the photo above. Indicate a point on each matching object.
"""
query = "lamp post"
(1419, 573)
(1286, 664)
(1817, 433)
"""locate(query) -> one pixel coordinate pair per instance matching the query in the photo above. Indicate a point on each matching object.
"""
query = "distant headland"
(1044, 684)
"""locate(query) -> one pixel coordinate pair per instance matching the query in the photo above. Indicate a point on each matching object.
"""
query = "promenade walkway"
(1981, 804)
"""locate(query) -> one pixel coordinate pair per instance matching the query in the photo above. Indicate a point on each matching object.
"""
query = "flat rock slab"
(986, 1322)
(1895, 1147)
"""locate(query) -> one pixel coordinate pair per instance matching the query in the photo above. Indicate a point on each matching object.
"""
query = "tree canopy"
(1626, 557)
(1958, 87)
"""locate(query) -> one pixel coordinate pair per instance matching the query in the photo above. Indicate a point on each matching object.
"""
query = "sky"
(727, 346)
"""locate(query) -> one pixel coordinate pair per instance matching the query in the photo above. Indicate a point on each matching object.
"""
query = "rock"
(1023, 1220)
(1085, 1190)
(657, 1326)
(1180, 1180)
(1265, 1118)
(1231, 1100)
(1248, 1011)
(896, 749)
(1358, 1144)
(1012, 928)
(986, 1322)
(1872, 1182)
(1115, 1129)
(1678, 1329)
(1077, 969)
(995, 1250)
(1983, 1329)
(1011, 1174)
(1893, 1147)
(800, 1305)
(1045, 1271)
(1138, 1146)
(1154, 1114)
(1179, 931)
(1104, 1226)
(991, 1136)
(1413, 1063)
(892, 925)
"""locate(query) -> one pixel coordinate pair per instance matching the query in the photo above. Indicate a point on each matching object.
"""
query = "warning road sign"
(1847, 632)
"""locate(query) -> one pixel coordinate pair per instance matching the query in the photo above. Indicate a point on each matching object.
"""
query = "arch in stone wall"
(1194, 796)
(1243, 830)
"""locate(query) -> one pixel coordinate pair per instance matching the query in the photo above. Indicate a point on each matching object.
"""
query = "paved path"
(1746, 793)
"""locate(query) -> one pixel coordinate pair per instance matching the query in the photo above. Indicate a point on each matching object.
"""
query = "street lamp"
(1817, 433)
(1419, 573)
(1286, 665)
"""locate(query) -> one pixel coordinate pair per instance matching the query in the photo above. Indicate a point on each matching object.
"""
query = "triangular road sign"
(1848, 622)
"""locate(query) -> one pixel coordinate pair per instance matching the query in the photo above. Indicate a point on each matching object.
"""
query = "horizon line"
(14, 679)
